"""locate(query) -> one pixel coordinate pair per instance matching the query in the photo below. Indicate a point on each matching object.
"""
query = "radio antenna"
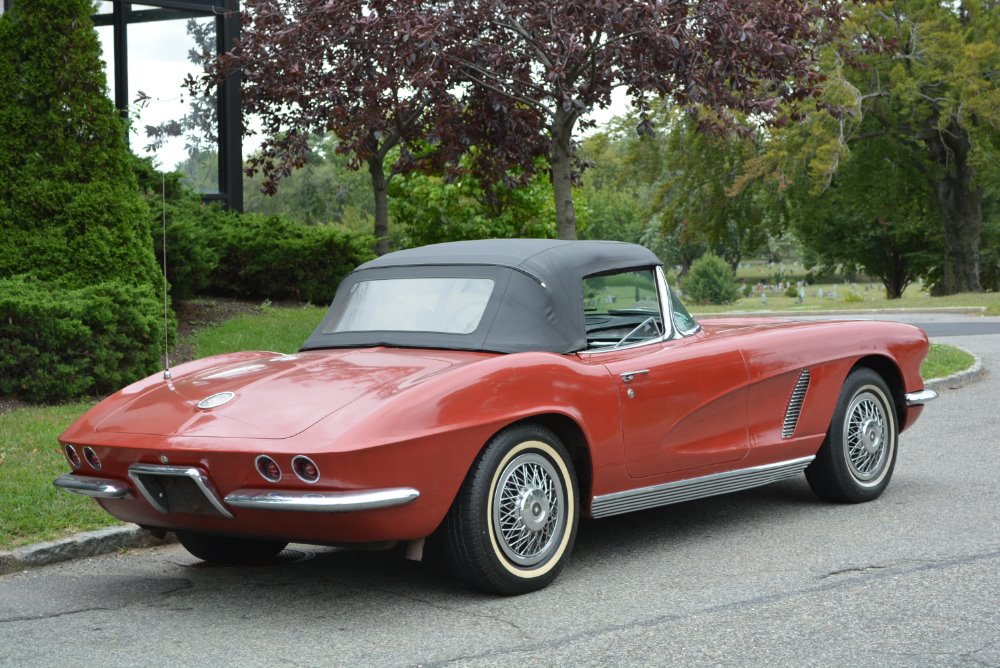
(166, 320)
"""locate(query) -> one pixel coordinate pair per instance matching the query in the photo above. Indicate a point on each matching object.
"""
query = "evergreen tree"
(70, 210)
(79, 312)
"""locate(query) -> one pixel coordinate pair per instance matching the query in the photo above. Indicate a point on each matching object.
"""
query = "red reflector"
(72, 456)
(92, 458)
(268, 468)
(305, 469)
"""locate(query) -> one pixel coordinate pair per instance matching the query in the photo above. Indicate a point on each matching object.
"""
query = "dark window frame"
(229, 101)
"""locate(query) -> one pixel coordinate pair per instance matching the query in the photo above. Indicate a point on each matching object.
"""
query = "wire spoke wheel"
(866, 437)
(856, 460)
(528, 509)
(512, 526)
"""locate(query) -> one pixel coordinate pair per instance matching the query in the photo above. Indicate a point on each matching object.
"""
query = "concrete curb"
(87, 544)
(974, 373)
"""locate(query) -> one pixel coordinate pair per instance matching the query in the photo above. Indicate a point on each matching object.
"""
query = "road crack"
(461, 611)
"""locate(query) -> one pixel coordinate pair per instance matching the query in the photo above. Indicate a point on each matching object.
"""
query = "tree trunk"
(561, 162)
(376, 167)
(961, 208)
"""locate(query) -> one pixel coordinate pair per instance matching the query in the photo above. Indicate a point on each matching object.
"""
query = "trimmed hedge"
(211, 251)
(277, 258)
(58, 344)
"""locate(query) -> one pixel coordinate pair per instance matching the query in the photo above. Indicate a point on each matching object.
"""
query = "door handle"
(629, 375)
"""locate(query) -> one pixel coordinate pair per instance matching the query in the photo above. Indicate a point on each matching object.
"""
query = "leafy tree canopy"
(563, 58)
(921, 75)
(432, 209)
(884, 226)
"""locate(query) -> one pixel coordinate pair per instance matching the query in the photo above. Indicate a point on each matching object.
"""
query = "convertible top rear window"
(496, 295)
(452, 305)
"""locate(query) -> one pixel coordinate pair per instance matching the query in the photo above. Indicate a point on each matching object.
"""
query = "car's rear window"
(448, 305)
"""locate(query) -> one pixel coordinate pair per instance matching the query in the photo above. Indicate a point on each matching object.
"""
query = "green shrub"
(78, 279)
(190, 228)
(711, 281)
(58, 344)
(853, 298)
(792, 291)
(276, 258)
(225, 253)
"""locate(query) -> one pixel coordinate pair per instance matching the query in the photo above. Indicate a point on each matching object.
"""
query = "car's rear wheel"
(513, 523)
(229, 549)
(857, 458)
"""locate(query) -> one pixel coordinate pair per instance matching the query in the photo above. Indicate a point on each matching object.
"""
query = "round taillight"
(72, 456)
(305, 469)
(268, 469)
(92, 458)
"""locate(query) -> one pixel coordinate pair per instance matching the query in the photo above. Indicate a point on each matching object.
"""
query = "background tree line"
(870, 137)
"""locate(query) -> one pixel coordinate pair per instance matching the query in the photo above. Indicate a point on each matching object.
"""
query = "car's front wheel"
(856, 460)
(512, 526)
(229, 549)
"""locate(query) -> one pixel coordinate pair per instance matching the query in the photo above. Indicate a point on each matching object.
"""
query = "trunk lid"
(276, 396)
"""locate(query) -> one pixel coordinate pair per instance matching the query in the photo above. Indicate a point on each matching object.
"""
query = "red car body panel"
(378, 418)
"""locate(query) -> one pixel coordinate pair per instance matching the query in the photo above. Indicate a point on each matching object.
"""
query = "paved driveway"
(766, 577)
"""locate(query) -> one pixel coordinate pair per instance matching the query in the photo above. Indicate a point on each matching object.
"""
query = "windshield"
(446, 305)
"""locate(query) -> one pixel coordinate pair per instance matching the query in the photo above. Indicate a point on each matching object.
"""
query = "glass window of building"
(180, 132)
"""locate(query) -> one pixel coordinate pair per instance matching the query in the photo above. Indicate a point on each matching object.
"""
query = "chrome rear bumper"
(321, 502)
(98, 488)
(253, 499)
(920, 398)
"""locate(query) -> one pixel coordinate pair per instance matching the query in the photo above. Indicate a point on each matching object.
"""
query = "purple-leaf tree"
(369, 72)
(562, 58)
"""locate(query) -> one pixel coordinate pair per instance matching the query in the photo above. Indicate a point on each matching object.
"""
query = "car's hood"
(275, 396)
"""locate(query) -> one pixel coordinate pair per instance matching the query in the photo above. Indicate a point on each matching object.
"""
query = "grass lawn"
(32, 510)
(944, 360)
(281, 330)
(847, 297)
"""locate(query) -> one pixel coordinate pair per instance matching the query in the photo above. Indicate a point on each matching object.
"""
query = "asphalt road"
(766, 577)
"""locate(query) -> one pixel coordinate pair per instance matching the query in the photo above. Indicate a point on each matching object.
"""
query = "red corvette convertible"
(494, 392)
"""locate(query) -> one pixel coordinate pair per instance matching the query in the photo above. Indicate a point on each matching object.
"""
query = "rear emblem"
(216, 400)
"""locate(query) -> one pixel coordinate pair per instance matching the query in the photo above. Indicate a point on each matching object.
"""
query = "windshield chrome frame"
(670, 308)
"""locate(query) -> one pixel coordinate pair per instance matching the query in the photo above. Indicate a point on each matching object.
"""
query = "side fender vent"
(795, 405)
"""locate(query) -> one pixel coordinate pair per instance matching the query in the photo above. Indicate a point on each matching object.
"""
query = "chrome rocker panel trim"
(920, 398)
(195, 474)
(321, 502)
(99, 488)
(695, 488)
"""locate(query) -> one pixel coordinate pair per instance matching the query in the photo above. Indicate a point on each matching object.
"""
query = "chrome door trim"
(642, 498)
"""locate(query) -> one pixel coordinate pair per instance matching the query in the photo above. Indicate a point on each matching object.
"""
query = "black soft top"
(536, 304)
